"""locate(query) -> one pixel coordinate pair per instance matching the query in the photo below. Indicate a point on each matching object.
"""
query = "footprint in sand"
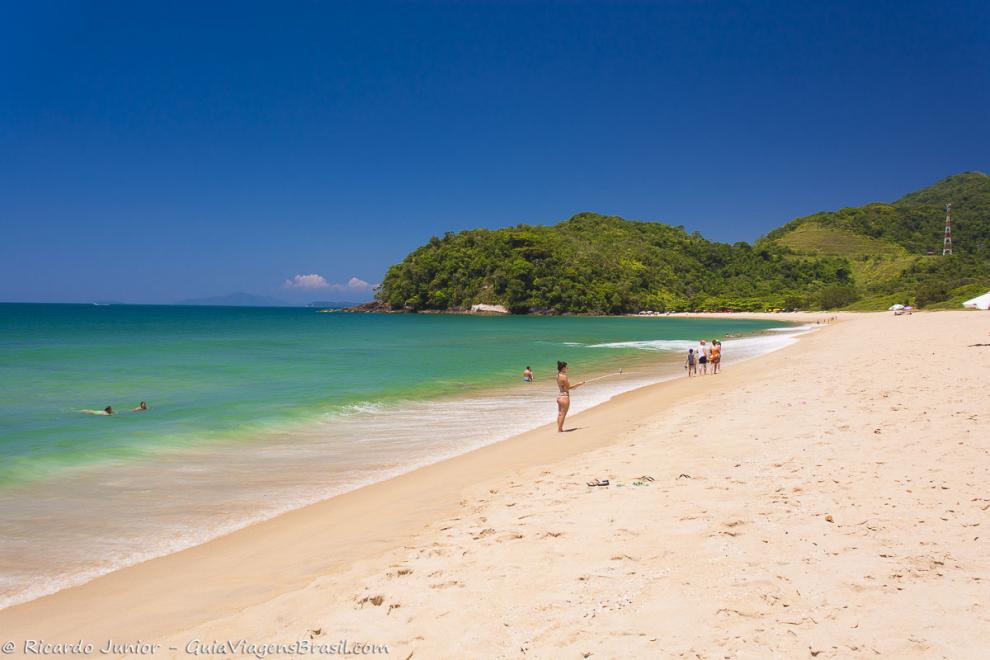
(374, 600)
(446, 585)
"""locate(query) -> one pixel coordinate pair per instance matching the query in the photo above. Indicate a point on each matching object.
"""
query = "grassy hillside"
(894, 250)
(859, 258)
(870, 259)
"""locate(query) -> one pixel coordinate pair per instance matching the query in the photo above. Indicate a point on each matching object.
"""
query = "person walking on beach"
(716, 357)
(528, 375)
(564, 395)
(703, 357)
(692, 363)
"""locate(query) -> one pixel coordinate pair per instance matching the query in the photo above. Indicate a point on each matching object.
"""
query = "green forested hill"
(600, 264)
(868, 256)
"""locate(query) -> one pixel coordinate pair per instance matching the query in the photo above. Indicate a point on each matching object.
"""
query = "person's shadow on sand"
(576, 428)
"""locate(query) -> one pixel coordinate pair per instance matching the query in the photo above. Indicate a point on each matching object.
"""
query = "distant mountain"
(239, 299)
(329, 304)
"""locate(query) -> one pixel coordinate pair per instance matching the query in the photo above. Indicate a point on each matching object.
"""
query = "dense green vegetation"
(598, 264)
(895, 250)
(865, 257)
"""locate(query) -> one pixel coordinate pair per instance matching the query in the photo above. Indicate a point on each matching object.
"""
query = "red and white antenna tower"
(947, 241)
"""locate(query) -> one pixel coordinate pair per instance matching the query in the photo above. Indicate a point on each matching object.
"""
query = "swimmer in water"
(106, 411)
(564, 396)
(528, 375)
(141, 407)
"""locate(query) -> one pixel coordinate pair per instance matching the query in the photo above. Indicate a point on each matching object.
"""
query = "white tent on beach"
(979, 302)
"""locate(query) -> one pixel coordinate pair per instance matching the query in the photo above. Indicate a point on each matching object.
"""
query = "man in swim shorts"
(703, 356)
(528, 375)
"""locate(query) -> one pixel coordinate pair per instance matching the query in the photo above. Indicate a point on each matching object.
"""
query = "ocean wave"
(361, 407)
(651, 344)
(794, 328)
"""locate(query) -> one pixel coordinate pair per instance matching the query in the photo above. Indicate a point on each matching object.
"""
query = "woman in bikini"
(564, 397)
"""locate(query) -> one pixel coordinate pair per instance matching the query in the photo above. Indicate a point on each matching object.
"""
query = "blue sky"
(156, 151)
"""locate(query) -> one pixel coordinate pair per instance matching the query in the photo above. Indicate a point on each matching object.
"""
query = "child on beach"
(692, 363)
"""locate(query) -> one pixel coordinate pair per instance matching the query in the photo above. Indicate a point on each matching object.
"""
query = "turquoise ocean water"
(254, 411)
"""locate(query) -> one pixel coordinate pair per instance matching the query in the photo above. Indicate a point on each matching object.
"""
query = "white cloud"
(355, 284)
(314, 281)
(311, 281)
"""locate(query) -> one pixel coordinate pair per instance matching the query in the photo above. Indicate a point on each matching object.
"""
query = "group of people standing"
(705, 356)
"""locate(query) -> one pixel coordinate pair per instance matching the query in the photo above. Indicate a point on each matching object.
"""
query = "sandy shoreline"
(790, 317)
(727, 550)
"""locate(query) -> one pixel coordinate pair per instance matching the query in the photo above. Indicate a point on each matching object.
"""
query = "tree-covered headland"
(860, 258)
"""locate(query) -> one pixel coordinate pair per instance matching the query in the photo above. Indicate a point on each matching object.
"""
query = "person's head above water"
(108, 410)
(561, 366)
(143, 405)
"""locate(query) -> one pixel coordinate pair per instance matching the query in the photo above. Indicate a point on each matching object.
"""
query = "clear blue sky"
(157, 151)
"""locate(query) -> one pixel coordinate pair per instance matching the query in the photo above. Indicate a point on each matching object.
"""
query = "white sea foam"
(361, 407)
(800, 329)
(672, 345)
